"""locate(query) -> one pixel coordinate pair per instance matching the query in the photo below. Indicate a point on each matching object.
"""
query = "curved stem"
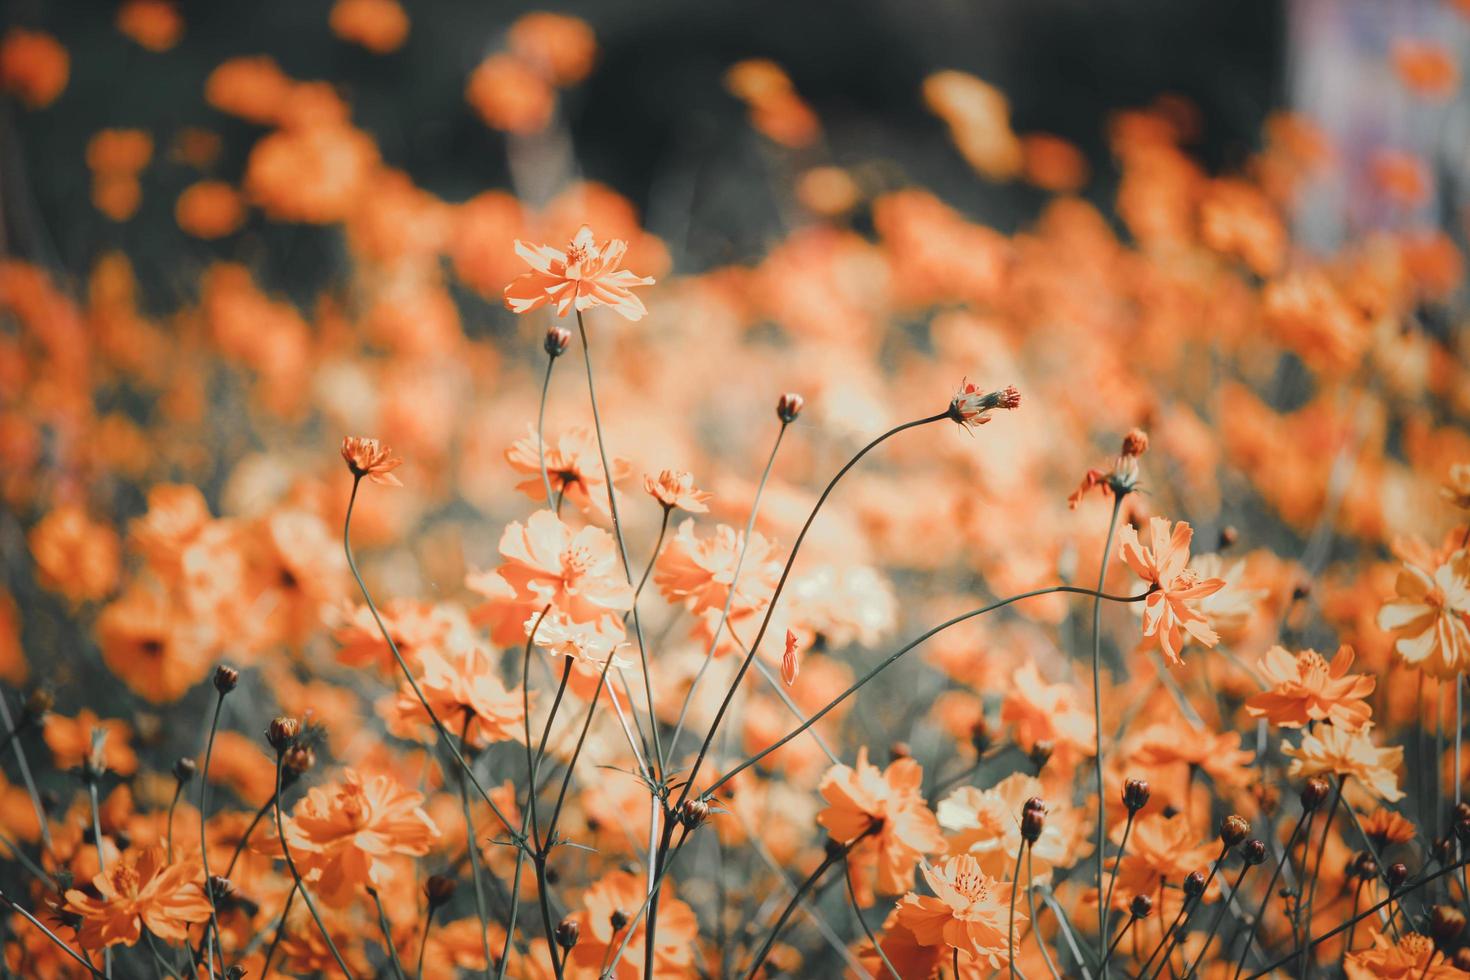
(245, 838)
(867, 930)
(1255, 923)
(424, 944)
(387, 932)
(213, 928)
(1031, 908)
(1122, 846)
(472, 848)
(265, 970)
(444, 735)
(1165, 936)
(1097, 759)
(833, 856)
(1011, 921)
(1215, 924)
(1304, 966)
(91, 781)
(874, 672)
(296, 876)
(658, 545)
(5, 900)
(1174, 939)
(714, 642)
(612, 506)
(540, 429)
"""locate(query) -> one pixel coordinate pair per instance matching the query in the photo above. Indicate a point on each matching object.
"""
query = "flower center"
(577, 254)
(125, 880)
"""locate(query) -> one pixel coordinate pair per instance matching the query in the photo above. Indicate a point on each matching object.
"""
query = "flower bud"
(693, 813)
(184, 770)
(1300, 591)
(1445, 924)
(299, 759)
(236, 972)
(1364, 866)
(439, 889)
(1462, 829)
(567, 932)
(1254, 852)
(980, 736)
(617, 920)
(1135, 794)
(557, 339)
(1033, 819)
(1228, 536)
(225, 679)
(1141, 907)
(1444, 850)
(1194, 884)
(1233, 829)
(899, 750)
(789, 406)
(1135, 443)
(221, 889)
(1040, 753)
(1314, 793)
(1461, 811)
(38, 702)
(282, 732)
(1398, 873)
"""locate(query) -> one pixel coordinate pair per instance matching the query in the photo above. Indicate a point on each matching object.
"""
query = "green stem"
(472, 847)
(212, 930)
(1097, 760)
(296, 876)
(387, 932)
(1011, 921)
(1255, 924)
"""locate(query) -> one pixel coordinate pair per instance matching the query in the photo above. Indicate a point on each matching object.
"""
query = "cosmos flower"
(675, 488)
(372, 459)
(584, 276)
(1429, 614)
(1305, 688)
(138, 890)
(576, 573)
(1168, 612)
(886, 810)
(1329, 750)
(970, 911)
(972, 405)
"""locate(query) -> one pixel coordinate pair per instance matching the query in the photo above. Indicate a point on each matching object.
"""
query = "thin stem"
(1031, 908)
(1255, 923)
(612, 506)
(1371, 910)
(1173, 940)
(714, 643)
(424, 944)
(387, 932)
(1215, 924)
(541, 428)
(1011, 921)
(472, 846)
(5, 900)
(658, 545)
(539, 859)
(867, 930)
(90, 778)
(245, 838)
(169, 835)
(265, 970)
(25, 775)
(444, 735)
(1097, 759)
(1165, 936)
(1304, 966)
(776, 595)
(1122, 847)
(212, 930)
(1116, 940)
(833, 856)
(526, 720)
(874, 672)
(296, 875)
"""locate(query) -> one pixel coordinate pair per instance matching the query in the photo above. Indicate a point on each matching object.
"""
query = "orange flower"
(575, 573)
(342, 839)
(1384, 827)
(1413, 957)
(573, 465)
(970, 912)
(370, 458)
(584, 276)
(1426, 68)
(209, 209)
(608, 906)
(790, 663)
(1164, 564)
(1431, 616)
(675, 488)
(509, 95)
(979, 120)
(253, 88)
(70, 742)
(561, 48)
(139, 890)
(466, 695)
(33, 66)
(1332, 750)
(148, 644)
(1305, 688)
(154, 24)
(699, 571)
(1401, 177)
(972, 405)
(75, 555)
(1042, 712)
(986, 824)
(380, 26)
(1160, 849)
(886, 809)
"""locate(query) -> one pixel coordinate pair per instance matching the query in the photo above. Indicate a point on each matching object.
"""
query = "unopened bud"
(1228, 536)
(225, 679)
(789, 406)
(282, 732)
(236, 972)
(439, 889)
(899, 750)
(184, 770)
(980, 736)
(567, 932)
(1194, 884)
(1135, 443)
(1254, 852)
(1033, 820)
(1314, 793)
(1397, 874)
(221, 889)
(1445, 924)
(557, 339)
(693, 813)
(299, 759)
(1141, 907)
(1135, 794)
(617, 920)
(1233, 829)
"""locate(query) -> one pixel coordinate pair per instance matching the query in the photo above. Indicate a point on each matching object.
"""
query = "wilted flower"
(972, 405)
